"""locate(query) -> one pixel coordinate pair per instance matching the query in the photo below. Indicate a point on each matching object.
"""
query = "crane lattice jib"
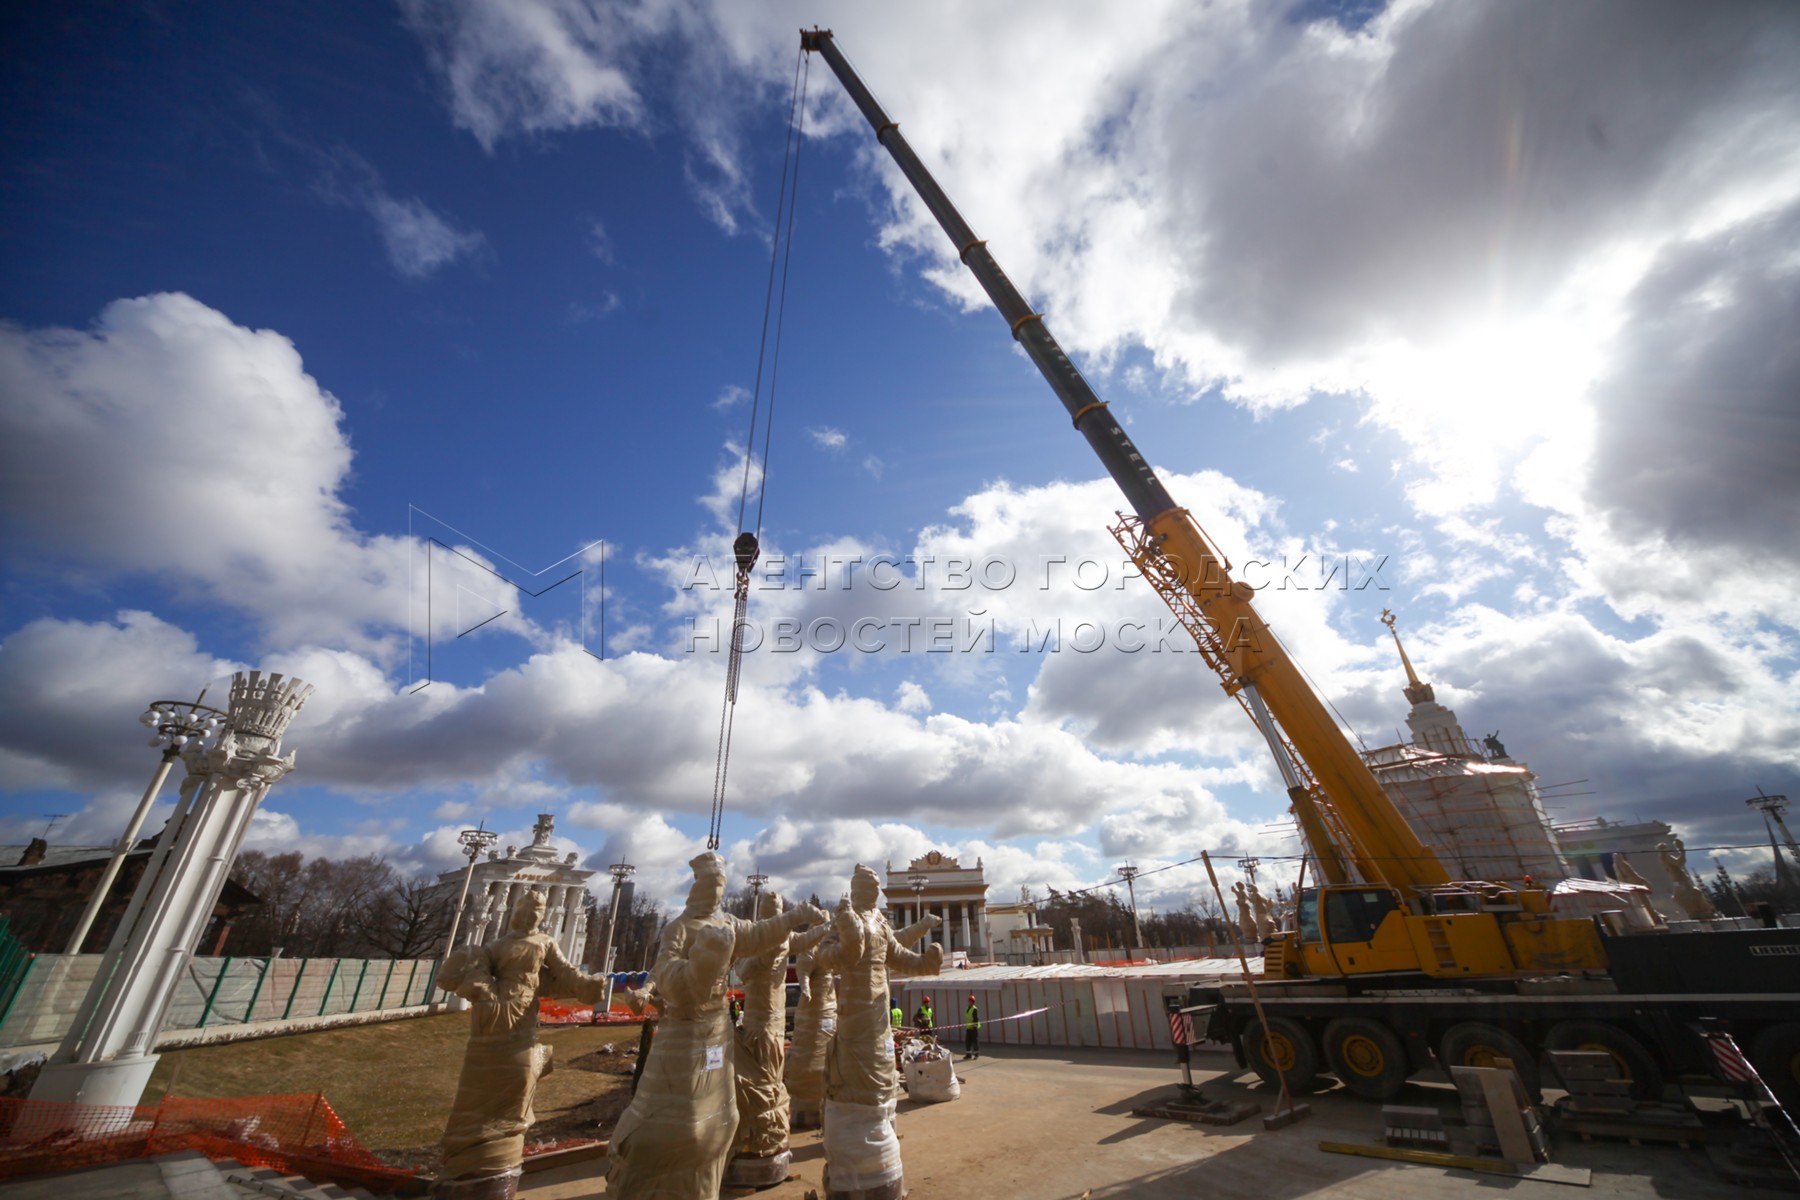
(1358, 825)
(1323, 828)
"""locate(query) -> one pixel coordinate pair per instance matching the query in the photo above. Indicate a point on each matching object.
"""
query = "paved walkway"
(1043, 1124)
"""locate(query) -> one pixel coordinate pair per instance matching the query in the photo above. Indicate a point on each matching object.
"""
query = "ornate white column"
(577, 949)
(553, 912)
(511, 902)
(106, 1059)
(964, 906)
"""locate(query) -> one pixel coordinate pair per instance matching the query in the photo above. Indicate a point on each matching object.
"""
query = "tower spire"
(1417, 691)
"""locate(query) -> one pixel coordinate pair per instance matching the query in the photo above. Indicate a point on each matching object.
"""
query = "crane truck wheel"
(1286, 1050)
(1367, 1056)
(1478, 1044)
(1775, 1052)
(1636, 1063)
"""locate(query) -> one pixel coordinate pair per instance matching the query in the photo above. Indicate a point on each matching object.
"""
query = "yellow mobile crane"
(1387, 920)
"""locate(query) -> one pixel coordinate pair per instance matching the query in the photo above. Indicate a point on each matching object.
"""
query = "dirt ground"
(1056, 1124)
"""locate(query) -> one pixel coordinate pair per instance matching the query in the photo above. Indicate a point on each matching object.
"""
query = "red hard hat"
(971, 999)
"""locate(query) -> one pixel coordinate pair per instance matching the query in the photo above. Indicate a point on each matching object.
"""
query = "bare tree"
(408, 919)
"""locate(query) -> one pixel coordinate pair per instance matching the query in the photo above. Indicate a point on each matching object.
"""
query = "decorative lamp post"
(106, 1056)
(1248, 867)
(918, 882)
(620, 873)
(473, 842)
(1129, 873)
(176, 722)
(756, 886)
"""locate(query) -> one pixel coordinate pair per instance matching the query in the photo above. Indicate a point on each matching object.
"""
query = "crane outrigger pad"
(1190, 1105)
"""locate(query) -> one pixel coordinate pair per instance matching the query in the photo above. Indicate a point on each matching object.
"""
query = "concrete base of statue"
(895, 1190)
(115, 1083)
(502, 1185)
(754, 1171)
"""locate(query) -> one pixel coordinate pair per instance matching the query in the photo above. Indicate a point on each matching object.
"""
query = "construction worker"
(972, 1030)
(922, 1020)
(896, 1015)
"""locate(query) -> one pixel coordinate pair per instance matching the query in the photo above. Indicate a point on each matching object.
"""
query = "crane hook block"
(746, 550)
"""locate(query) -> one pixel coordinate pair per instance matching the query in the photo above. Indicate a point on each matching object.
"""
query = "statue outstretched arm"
(467, 973)
(901, 961)
(803, 942)
(560, 977)
(918, 929)
(760, 937)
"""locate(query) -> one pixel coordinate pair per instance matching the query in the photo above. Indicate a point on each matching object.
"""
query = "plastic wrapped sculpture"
(1246, 918)
(1264, 913)
(1690, 899)
(760, 1157)
(673, 1139)
(862, 1087)
(815, 1019)
(484, 1140)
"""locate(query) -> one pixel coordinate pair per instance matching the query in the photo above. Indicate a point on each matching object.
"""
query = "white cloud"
(580, 312)
(599, 242)
(110, 464)
(827, 438)
(910, 697)
(529, 66)
(418, 241)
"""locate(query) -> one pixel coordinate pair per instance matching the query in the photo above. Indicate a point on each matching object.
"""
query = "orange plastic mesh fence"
(298, 1135)
(558, 1012)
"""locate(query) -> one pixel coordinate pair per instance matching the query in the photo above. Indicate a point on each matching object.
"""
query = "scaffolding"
(1485, 819)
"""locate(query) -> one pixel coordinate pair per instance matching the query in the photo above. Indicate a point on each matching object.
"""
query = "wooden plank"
(1509, 1126)
(1426, 1158)
(1542, 1172)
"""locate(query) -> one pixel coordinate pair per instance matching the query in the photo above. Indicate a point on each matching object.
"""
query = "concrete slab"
(188, 1175)
(1050, 1124)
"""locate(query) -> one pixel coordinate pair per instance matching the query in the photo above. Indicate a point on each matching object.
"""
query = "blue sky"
(1472, 292)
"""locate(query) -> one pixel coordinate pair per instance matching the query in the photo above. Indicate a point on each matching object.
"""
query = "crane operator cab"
(1364, 929)
(1353, 931)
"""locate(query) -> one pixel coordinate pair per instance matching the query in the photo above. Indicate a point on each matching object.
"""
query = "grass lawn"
(393, 1083)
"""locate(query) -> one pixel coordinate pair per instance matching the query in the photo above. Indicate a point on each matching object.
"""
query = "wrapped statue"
(1689, 898)
(862, 1086)
(815, 1018)
(673, 1139)
(484, 1140)
(1246, 918)
(1263, 913)
(760, 1157)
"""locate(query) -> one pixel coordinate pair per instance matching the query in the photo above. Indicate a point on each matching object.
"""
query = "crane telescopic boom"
(1352, 827)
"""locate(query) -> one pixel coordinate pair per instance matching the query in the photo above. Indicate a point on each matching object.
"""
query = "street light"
(1129, 873)
(620, 872)
(1248, 867)
(473, 842)
(917, 882)
(756, 886)
(176, 722)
